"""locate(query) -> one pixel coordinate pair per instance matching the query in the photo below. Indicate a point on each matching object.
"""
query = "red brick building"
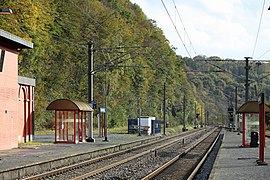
(16, 94)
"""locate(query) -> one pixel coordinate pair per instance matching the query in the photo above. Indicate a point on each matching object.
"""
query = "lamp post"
(5, 11)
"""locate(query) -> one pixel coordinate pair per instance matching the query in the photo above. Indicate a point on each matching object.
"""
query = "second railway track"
(187, 163)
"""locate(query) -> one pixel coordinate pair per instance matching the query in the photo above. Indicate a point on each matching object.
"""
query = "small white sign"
(102, 110)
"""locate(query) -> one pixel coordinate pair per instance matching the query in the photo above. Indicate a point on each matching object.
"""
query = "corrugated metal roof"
(69, 105)
(252, 107)
(20, 42)
(26, 81)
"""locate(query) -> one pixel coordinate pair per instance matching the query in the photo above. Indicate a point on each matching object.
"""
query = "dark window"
(2, 57)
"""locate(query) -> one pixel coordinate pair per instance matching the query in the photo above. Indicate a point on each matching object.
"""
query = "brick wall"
(8, 101)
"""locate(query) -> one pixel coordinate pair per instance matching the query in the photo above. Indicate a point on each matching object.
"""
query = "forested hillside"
(220, 83)
(129, 48)
(61, 30)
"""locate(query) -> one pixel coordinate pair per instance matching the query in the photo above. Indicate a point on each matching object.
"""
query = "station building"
(16, 94)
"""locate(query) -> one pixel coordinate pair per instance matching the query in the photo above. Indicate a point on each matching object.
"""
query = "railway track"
(154, 165)
(95, 167)
(188, 163)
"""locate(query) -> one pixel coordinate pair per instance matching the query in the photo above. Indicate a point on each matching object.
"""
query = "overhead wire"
(184, 27)
(259, 27)
(87, 14)
(111, 49)
(176, 29)
(264, 54)
(222, 69)
(256, 40)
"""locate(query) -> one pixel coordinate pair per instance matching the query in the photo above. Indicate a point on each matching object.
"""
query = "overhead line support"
(247, 67)
(90, 93)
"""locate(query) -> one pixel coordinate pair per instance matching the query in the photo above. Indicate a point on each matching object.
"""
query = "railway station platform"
(236, 162)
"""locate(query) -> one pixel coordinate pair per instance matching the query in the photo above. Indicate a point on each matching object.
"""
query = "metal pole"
(164, 109)
(205, 117)
(201, 118)
(235, 110)
(235, 99)
(99, 125)
(195, 121)
(140, 114)
(184, 109)
(261, 100)
(246, 81)
(33, 113)
(90, 89)
(106, 107)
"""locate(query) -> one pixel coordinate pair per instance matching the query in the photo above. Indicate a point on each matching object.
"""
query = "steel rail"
(203, 159)
(162, 168)
(100, 170)
(173, 160)
(87, 162)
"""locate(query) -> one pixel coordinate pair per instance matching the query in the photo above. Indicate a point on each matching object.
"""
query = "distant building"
(16, 94)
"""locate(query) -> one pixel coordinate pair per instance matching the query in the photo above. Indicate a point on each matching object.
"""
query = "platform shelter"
(250, 120)
(69, 120)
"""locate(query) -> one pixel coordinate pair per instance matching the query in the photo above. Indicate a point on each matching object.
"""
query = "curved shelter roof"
(252, 107)
(68, 105)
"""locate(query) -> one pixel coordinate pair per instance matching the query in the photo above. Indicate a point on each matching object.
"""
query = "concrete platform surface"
(236, 162)
(27, 155)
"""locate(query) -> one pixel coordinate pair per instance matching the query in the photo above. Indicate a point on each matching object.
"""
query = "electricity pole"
(235, 109)
(90, 137)
(91, 73)
(201, 118)
(184, 109)
(164, 109)
(206, 118)
(106, 106)
(195, 115)
(246, 81)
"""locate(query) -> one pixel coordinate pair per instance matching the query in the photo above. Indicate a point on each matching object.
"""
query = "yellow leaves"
(60, 30)
(29, 18)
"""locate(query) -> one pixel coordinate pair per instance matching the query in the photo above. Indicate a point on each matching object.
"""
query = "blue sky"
(224, 28)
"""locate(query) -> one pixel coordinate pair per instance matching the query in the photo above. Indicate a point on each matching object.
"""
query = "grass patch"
(46, 131)
(175, 130)
(34, 143)
(118, 130)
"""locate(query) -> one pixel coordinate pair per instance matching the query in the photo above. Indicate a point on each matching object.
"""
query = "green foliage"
(61, 31)
(216, 90)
